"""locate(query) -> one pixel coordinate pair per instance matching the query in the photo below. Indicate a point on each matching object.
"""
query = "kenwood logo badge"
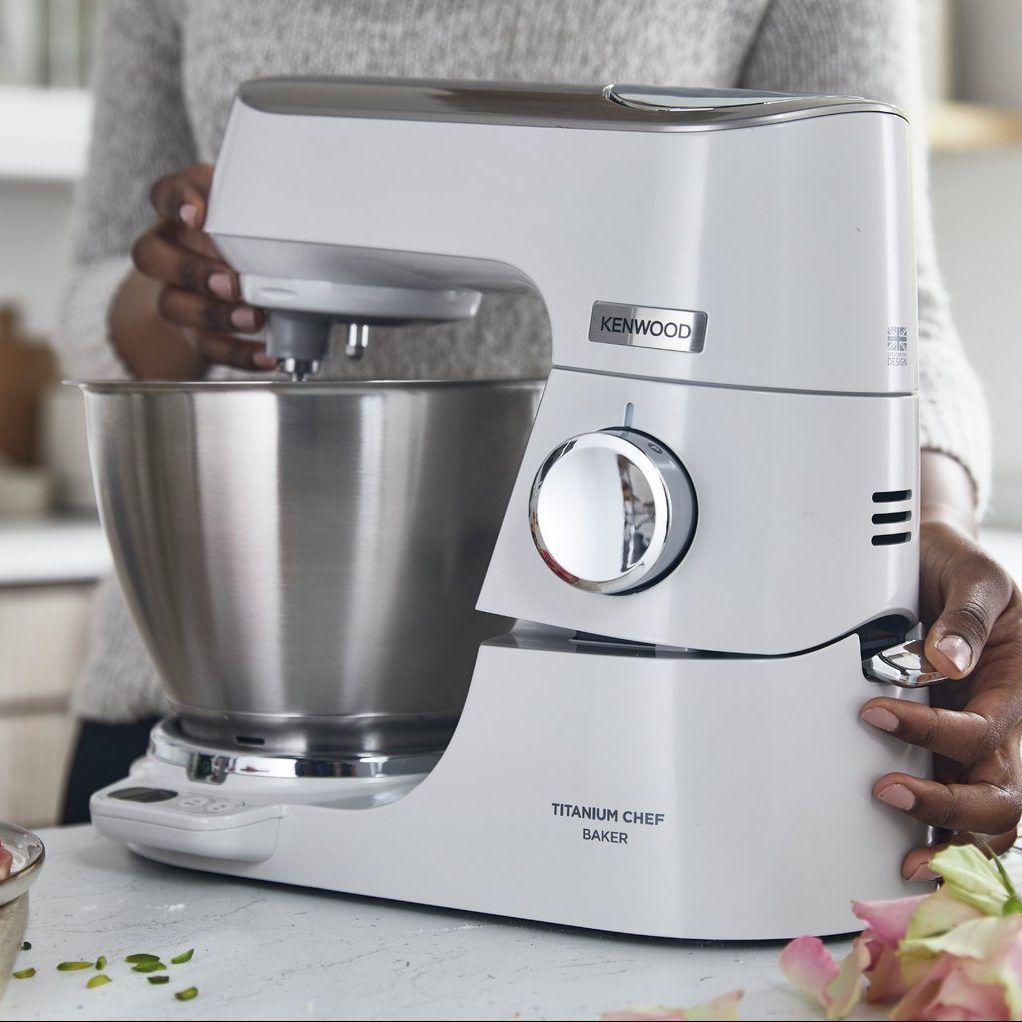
(642, 327)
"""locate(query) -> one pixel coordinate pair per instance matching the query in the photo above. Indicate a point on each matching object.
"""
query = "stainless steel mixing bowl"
(303, 560)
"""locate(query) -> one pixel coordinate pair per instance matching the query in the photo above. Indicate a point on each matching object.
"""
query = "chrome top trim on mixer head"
(213, 765)
(609, 107)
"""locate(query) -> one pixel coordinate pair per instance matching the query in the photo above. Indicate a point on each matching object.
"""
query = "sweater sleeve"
(870, 48)
(140, 131)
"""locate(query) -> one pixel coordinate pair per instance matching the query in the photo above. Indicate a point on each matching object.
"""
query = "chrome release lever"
(903, 665)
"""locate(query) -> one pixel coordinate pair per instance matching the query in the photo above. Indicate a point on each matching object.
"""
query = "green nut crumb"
(26, 945)
(101, 963)
(185, 956)
(136, 959)
(187, 995)
(74, 966)
(98, 981)
(23, 974)
(148, 967)
(158, 979)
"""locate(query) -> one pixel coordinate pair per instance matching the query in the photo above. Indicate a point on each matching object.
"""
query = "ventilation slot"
(890, 517)
(891, 496)
(892, 538)
(249, 740)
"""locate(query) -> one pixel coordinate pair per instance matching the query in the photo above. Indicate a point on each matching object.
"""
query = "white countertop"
(264, 951)
(42, 551)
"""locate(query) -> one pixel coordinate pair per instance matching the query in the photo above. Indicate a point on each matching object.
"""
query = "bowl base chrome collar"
(210, 764)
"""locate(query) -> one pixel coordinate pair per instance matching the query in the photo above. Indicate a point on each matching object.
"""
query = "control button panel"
(201, 805)
(224, 805)
(196, 805)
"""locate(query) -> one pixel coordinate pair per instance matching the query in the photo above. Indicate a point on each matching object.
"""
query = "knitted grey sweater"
(167, 71)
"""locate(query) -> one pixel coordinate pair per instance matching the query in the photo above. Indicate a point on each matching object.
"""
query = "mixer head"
(299, 338)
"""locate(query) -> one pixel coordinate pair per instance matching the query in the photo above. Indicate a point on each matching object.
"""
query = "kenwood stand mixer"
(711, 548)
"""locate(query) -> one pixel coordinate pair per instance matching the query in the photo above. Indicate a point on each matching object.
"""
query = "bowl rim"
(289, 387)
(25, 876)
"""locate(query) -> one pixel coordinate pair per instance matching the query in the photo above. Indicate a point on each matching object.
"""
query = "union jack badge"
(897, 339)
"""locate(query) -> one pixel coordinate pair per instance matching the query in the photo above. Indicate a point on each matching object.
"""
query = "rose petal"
(922, 996)
(809, 966)
(886, 979)
(971, 877)
(980, 939)
(843, 992)
(938, 913)
(720, 1009)
(971, 1000)
(644, 1015)
(888, 919)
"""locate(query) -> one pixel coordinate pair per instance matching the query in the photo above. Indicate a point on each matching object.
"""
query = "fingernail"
(899, 796)
(243, 318)
(188, 214)
(263, 361)
(220, 285)
(957, 650)
(923, 872)
(880, 718)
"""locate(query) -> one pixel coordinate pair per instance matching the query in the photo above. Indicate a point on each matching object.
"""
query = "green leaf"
(135, 959)
(98, 981)
(187, 995)
(23, 974)
(101, 963)
(185, 956)
(971, 877)
(26, 946)
(148, 967)
(74, 966)
(158, 979)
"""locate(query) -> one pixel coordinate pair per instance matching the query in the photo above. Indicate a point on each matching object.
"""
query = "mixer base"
(669, 795)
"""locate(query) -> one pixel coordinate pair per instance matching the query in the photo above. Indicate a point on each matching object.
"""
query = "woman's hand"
(974, 723)
(181, 307)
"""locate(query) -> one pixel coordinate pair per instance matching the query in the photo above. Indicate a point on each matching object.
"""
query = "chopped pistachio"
(26, 945)
(135, 959)
(158, 979)
(148, 967)
(74, 966)
(101, 963)
(98, 981)
(23, 974)
(185, 956)
(187, 995)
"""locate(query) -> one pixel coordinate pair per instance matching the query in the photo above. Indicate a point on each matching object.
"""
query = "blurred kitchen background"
(51, 548)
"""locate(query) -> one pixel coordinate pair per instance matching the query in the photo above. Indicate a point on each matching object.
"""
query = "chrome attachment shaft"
(358, 340)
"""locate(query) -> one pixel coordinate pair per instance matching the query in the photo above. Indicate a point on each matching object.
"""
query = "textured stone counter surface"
(271, 952)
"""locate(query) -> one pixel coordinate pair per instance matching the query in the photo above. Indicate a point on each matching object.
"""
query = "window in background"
(45, 42)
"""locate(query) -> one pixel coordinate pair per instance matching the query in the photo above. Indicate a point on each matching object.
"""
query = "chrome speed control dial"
(612, 511)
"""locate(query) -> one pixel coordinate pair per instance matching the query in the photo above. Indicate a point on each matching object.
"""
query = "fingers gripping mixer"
(713, 526)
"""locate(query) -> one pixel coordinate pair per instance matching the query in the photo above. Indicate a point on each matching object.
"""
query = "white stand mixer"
(714, 525)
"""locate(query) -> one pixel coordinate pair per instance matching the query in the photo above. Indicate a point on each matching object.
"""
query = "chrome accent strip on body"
(531, 104)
